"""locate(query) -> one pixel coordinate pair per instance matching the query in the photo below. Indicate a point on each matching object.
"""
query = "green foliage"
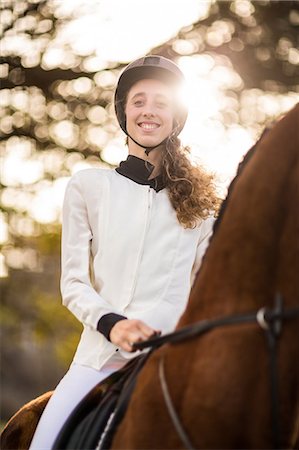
(48, 243)
(8, 318)
(56, 324)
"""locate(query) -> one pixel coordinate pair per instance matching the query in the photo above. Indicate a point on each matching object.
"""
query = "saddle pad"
(108, 400)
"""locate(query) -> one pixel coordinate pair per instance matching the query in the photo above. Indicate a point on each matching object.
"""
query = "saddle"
(94, 421)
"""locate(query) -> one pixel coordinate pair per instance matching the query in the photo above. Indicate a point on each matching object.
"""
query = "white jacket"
(143, 262)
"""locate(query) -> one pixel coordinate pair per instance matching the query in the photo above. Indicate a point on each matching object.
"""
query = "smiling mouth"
(149, 126)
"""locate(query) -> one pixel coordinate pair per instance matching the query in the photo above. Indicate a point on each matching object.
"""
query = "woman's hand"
(128, 331)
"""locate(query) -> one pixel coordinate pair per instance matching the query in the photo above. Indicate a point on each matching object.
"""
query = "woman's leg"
(75, 384)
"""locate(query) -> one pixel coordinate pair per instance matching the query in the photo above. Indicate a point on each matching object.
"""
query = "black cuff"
(107, 321)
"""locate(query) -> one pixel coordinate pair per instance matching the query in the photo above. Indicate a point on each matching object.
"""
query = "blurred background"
(60, 60)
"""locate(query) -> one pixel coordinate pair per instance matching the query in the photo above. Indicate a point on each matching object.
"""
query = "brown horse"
(219, 382)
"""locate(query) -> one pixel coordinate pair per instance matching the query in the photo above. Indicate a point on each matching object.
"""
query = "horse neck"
(287, 268)
(254, 252)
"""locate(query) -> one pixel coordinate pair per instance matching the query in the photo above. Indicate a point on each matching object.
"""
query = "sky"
(122, 30)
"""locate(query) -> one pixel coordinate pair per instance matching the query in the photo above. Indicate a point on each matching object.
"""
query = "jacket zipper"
(149, 207)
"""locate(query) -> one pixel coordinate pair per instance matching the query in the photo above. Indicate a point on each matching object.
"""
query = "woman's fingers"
(126, 332)
(126, 346)
(146, 330)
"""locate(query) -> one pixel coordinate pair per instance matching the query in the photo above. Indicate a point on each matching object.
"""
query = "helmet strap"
(146, 147)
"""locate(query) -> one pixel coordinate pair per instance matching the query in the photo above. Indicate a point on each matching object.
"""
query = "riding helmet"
(152, 66)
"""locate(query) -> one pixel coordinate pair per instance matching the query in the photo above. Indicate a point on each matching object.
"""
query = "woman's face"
(149, 111)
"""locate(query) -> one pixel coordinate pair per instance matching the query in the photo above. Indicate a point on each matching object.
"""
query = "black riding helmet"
(151, 66)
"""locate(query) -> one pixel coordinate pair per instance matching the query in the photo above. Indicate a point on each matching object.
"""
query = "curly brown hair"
(191, 189)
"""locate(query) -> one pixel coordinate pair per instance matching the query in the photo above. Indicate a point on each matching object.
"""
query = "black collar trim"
(138, 170)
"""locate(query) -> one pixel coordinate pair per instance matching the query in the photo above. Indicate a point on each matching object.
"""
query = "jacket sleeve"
(206, 233)
(78, 294)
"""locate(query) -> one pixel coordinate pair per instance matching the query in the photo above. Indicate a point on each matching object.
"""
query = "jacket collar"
(139, 170)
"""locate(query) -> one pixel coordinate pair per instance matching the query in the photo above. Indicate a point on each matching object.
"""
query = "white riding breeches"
(75, 384)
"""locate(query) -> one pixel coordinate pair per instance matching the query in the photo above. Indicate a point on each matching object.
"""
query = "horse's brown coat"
(19, 430)
(219, 382)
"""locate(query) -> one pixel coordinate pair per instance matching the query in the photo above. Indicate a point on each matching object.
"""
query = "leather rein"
(270, 320)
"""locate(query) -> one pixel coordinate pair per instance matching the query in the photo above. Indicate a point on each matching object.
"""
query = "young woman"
(132, 237)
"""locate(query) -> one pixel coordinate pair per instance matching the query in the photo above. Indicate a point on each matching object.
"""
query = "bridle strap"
(171, 410)
(269, 320)
(273, 376)
(272, 331)
(204, 326)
